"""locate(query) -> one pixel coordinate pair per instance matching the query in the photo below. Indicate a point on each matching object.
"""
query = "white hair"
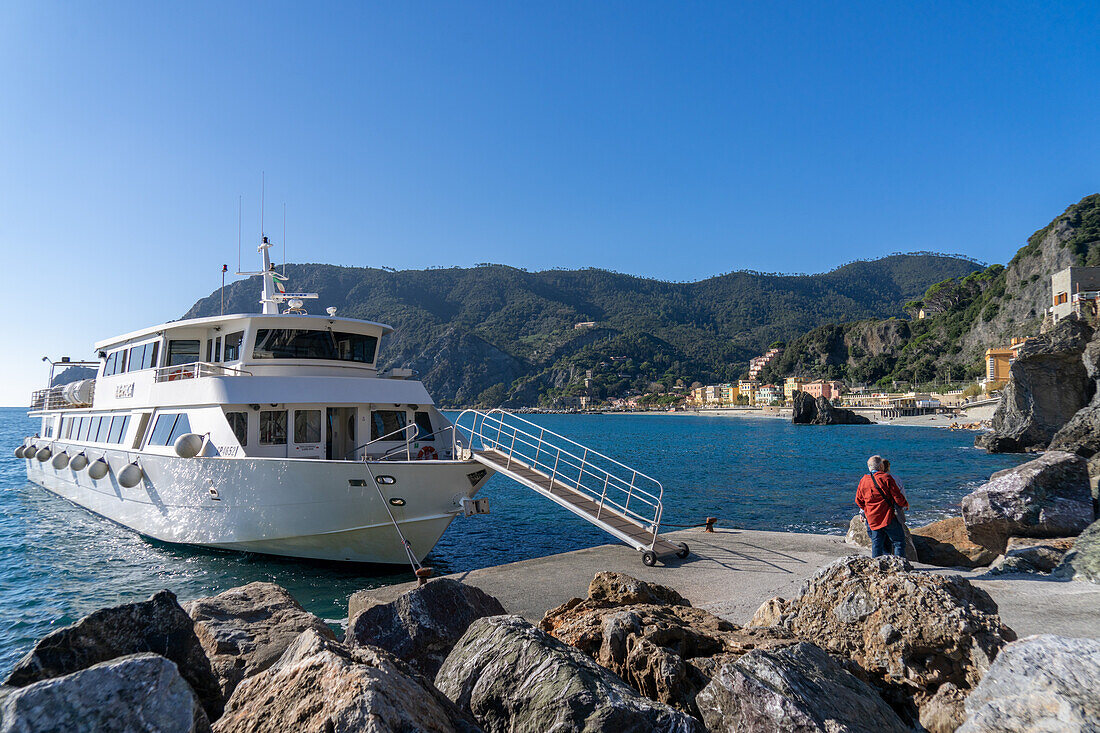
(874, 463)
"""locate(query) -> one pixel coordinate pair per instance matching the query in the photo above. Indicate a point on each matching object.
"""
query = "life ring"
(427, 453)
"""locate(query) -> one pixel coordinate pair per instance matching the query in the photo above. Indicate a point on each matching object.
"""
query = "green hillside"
(494, 334)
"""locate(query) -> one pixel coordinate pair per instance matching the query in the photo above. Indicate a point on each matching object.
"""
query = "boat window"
(85, 424)
(424, 426)
(118, 428)
(238, 421)
(168, 427)
(143, 423)
(47, 427)
(66, 427)
(100, 428)
(109, 365)
(137, 357)
(183, 352)
(233, 346)
(115, 364)
(291, 343)
(143, 356)
(150, 359)
(272, 427)
(213, 350)
(307, 426)
(385, 422)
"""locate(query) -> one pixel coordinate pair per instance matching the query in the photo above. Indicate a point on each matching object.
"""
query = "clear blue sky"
(675, 140)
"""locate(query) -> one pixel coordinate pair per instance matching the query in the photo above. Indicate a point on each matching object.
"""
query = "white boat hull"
(325, 510)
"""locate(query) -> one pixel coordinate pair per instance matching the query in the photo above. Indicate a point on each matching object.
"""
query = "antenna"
(238, 233)
(263, 189)
(284, 239)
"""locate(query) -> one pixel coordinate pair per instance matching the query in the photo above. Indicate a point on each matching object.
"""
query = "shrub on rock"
(1046, 497)
(798, 688)
(1041, 683)
(140, 692)
(321, 685)
(244, 630)
(422, 626)
(158, 625)
(513, 677)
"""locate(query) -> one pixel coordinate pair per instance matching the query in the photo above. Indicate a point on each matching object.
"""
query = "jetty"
(731, 572)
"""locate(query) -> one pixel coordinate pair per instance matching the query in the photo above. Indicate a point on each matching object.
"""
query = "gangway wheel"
(649, 558)
(684, 551)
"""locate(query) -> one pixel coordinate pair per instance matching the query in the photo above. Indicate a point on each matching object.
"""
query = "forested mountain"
(964, 316)
(494, 334)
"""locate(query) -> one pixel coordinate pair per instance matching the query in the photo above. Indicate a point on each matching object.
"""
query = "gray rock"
(858, 537)
(321, 685)
(158, 625)
(1040, 683)
(1047, 385)
(422, 626)
(1083, 561)
(1032, 556)
(949, 543)
(945, 711)
(244, 630)
(798, 688)
(1047, 497)
(513, 677)
(141, 692)
(806, 410)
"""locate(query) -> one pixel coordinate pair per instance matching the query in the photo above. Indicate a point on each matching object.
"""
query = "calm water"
(58, 562)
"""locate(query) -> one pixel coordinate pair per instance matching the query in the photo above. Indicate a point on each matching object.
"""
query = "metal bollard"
(422, 575)
(710, 524)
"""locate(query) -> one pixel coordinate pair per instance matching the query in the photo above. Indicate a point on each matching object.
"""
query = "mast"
(268, 297)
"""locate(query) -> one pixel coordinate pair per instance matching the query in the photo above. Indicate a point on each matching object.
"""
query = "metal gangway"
(618, 499)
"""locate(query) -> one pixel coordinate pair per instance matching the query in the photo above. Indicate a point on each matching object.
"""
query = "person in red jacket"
(876, 495)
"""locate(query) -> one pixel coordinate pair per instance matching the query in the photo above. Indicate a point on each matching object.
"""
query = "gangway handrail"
(496, 430)
(401, 429)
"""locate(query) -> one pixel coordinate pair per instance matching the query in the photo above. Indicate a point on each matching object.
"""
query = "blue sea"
(59, 562)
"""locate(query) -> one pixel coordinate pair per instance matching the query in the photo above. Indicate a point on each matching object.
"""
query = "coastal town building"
(697, 396)
(757, 363)
(1074, 290)
(999, 361)
(729, 395)
(821, 388)
(747, 387)
(766, 394)
(792, 385)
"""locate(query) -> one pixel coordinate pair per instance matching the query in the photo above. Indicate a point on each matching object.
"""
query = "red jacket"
(870, 500)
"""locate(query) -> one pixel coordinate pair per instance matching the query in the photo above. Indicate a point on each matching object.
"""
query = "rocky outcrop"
(141, 692)
(945, 711)
(798, 688)
(1047, 497)
(1047, 385)
(1041, 683)
(807, 410)
(422, 625)
(1083, 561)
(948, 543)
(1081, 434)
(912, 630)
(321, 685)
(513, 677)
(159, 626)
(652, 638)
(1023, 555)
(858, 537)
(244, 630)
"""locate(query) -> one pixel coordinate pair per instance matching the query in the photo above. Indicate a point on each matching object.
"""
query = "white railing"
(197, 369)
(612, 485)
(54, 399)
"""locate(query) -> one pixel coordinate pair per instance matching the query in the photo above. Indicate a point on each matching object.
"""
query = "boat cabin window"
(307, 426)
(116, 363)
(47, 427)
(294, 343)
(385, 422)
(272, 427)
(143, 356)
(183, 352)
(214, 350)
(82, 432)
(233, 346)
(168, 427)
(423, 426)
(119, 424)
(238, 422)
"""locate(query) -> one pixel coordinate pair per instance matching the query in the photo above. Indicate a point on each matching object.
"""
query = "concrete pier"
(730, 572)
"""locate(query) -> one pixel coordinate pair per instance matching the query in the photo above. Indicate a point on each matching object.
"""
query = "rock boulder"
(422, 625)
(1041, 683)
(908, 629)
(1083, 561)
(797, 688)
(649, 636)
(158, 625)
(1047, 385)
(1046, 497)
(808, 410)
(140, 692)
(244, 630)
(858, 537)
(1023, 555)
(513, 677)
(321, 685)
(948, 543)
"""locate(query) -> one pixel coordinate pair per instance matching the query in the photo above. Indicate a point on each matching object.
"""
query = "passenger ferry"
(272, 433)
